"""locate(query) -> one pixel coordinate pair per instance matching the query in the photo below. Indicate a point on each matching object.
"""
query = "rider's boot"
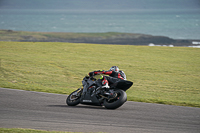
(104, 82)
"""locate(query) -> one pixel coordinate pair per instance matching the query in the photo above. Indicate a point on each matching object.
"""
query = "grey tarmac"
(47, 111)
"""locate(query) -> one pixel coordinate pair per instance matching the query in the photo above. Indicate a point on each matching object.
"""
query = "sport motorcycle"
(93, 93)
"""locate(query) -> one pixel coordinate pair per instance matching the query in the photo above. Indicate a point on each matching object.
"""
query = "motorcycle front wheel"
(120, 99)
(74, 98)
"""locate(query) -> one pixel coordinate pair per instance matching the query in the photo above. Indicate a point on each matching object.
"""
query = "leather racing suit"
(112, 78)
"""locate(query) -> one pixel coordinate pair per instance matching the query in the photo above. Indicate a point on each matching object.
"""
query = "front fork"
(77, 92)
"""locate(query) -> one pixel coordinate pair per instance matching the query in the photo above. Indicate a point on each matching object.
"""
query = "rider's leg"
(104, 82)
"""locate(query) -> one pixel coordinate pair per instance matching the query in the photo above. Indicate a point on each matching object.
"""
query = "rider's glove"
(91, 74)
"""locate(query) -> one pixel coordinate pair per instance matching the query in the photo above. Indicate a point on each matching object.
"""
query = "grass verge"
(19, 130)
(165, 75)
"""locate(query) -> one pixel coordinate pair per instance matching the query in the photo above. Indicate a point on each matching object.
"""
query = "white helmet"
(114, 68)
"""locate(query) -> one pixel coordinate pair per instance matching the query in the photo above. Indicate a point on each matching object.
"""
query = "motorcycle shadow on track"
(77, 107)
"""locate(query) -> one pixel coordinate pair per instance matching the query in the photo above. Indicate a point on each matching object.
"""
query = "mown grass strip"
(20, 130)
(165, 75)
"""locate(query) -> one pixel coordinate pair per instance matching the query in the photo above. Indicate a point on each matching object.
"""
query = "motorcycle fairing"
(87, 84)
(122, 84)
(87, 99)
(86, 96)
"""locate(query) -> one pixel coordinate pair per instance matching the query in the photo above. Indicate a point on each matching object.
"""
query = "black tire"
(74, 99)
(117, 102)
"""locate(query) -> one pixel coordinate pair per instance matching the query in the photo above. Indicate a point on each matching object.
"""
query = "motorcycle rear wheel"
(74, 98)
(117, 102)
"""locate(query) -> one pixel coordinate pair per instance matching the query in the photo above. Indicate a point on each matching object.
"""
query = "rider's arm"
(100, 72)
(103, 72)
(109, 72)
(96, 72)
(119, 76)
(112, 73)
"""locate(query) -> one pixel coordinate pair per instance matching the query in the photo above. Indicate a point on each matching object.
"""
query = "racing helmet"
(114, 68)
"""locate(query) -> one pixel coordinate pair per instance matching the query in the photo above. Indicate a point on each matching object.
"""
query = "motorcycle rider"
(114, 75)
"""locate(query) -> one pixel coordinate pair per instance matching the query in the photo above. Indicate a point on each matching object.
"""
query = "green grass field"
(19, 130)
(166, 75)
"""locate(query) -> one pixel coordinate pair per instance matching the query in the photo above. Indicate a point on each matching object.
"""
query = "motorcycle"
(92, 93)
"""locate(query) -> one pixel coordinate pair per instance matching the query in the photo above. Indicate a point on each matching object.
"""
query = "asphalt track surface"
(46, 111)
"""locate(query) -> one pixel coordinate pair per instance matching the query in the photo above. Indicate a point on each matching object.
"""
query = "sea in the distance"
(173, 24)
